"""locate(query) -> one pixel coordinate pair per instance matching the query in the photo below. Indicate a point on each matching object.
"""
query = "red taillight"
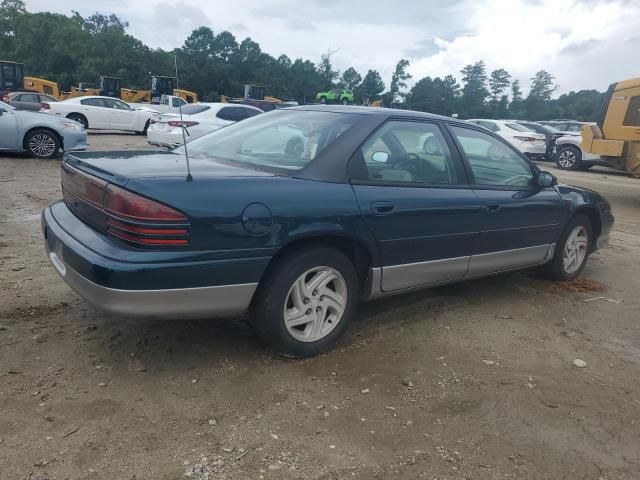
(178, 123)
(45, 106)
(525, 139)
(85, 187)
(123, 203)
(148, 235)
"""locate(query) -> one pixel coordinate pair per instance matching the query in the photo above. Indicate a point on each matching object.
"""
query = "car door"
(520, 221)
(27, 101)
(123, 117)
(8, 130)
(97, 113)
(413, 194)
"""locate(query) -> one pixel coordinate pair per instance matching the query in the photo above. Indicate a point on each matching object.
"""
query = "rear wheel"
(569, 158)
(42, 144)
(345, 101)
(572, 250)
(80, 119)
(305, 303)
(323, 100)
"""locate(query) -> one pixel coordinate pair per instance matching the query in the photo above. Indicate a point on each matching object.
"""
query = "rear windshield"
(518, 128)
(195, 108)
(281, 139)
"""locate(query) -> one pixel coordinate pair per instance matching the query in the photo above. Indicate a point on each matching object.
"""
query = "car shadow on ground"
(183, 345)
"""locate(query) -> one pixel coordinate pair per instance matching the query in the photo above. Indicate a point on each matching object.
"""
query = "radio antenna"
(184, 128)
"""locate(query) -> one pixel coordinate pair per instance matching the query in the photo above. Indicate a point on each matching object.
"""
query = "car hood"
(120, 166)
(37, 116)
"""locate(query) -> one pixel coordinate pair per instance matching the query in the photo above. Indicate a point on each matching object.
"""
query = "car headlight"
(73, 125)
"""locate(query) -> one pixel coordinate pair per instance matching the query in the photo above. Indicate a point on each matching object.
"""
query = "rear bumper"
(133, 285)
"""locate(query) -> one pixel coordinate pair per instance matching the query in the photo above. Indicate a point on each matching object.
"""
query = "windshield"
(281, 139)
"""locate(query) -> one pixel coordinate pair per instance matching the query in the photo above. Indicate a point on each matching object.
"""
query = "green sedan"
(335, 95)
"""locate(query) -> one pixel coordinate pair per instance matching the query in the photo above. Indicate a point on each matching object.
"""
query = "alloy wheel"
(315, 304)
(575, 249)
(567, 159)
(42, 145)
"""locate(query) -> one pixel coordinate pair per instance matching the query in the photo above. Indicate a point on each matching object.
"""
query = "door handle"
(382, 208)
(491, 207)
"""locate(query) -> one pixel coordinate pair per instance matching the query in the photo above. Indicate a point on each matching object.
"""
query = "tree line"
(72, 49)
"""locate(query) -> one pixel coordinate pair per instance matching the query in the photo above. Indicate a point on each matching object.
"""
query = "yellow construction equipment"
(616, 136)
(159, 86)
(254, 95)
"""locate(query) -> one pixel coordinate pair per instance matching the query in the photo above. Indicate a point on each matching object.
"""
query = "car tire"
(569, 158)
(298, 318)
(42, 143)
(146, 129)
(345, 101)
(575, 242)
(323, 100)
(80, 119)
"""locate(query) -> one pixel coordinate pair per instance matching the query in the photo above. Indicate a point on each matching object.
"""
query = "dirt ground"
(469, 381)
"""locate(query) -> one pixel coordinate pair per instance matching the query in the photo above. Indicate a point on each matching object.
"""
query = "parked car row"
(168, 124)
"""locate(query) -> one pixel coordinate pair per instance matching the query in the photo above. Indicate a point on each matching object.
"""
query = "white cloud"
(584, 43)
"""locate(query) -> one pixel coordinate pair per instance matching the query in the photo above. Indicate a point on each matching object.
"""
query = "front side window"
(415, 152)
(492, 162)
(632, 117)
(116, 104)
(280, 140)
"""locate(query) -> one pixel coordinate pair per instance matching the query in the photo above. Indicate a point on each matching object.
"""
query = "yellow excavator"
(616, 136)
(159, 86)
(12, 79)
(254, 95)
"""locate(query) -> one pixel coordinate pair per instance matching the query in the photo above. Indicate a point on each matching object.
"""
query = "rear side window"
(632, 118)
(177, 102)
(232, 114)
(94, 102)
(492, 162)
(518, 128)
(488, 125)
(250, 112)
(195, 109)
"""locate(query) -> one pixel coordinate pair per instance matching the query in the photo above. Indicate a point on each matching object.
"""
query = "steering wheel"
(511, 180)
(409, 162)
(432, 146)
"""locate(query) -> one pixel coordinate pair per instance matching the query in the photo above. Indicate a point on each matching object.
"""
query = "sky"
(583, 43)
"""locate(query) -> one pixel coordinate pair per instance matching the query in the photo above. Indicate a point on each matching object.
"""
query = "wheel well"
(50, 130)
(354, 250)
(567, 145)
(594, 217)
(78, 115)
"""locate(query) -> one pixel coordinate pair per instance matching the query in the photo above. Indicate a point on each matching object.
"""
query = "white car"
(104, 113)
(197, 119)
(532, 144)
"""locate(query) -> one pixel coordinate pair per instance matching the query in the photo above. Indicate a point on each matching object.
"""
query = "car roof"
(379, 111)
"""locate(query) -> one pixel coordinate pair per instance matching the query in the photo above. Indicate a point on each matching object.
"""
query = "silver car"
(40, 135)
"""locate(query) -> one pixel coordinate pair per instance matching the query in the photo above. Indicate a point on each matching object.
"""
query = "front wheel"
(323, 100)
(572, 250)
(345, 101)
(42, 144)
(305, 303)
(569, 158)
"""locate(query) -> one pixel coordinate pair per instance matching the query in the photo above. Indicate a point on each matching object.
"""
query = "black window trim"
(357, 165)
(467, 165)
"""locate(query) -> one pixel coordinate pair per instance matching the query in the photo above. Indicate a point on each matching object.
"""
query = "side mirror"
(546, 179)
(380, 157)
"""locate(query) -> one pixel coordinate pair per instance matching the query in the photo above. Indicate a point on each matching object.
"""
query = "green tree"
(437, 95)
(537, 103)
(350, 78)
(515, 107)
(474, 92)
(325, 68)
(399, 81)
(370, 88)
(499, 81)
